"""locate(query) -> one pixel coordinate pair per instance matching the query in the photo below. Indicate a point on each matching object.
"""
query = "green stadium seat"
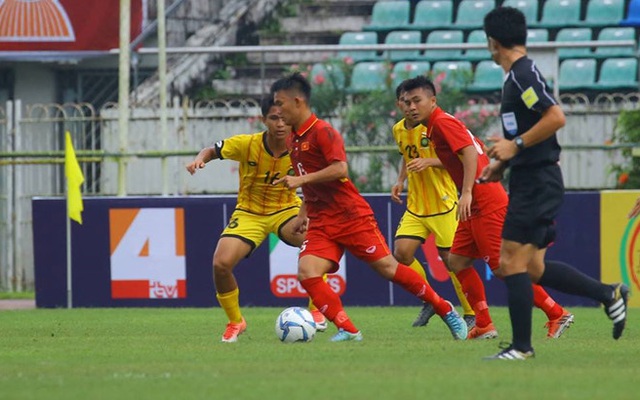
(458, 73)
(559, 13)
(327, 74)
(433, 14)
(618, 73)
(633, 14)
(444, 37)
(389, 15)
(537, 35)
(488, 77)
(409, 69)
(613, 34)
(471, 13)
(359, 38)
(368, 76)
(402, 37)
(477, 36)
(579, 73)
(528, 7)
(604, 12)
(574, 35)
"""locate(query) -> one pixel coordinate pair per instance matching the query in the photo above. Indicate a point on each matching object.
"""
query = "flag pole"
(69, 287)
(74, 179)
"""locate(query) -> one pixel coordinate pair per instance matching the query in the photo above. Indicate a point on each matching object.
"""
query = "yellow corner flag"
(74, 180)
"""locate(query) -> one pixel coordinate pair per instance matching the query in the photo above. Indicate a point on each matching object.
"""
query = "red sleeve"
(331, 144)
(455, 133)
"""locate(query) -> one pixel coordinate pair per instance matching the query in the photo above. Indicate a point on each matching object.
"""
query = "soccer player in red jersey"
(481, 208)
(339, 217)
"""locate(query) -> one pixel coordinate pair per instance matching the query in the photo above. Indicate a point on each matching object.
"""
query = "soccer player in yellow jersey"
(431, 204)
(261, 208)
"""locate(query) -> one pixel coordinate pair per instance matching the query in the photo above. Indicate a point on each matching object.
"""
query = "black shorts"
(535, 197)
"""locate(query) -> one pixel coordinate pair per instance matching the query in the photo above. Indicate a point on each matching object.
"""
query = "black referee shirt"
(525, 95)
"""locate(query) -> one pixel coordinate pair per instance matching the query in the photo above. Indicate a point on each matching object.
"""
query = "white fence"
(31, 162)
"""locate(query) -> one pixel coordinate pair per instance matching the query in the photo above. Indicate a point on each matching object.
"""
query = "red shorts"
(481, 237)
(361, 237)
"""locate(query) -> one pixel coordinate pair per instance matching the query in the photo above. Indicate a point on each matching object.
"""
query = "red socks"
(328, 302)
(543, 301)
(413, 283)
(473, 288)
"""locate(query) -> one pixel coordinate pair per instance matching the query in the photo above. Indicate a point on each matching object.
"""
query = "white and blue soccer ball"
(295, 324)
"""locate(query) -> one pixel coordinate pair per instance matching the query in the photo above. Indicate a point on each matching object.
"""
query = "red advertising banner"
(64, 25)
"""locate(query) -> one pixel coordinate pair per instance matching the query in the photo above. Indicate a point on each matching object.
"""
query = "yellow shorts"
(253, 228)
(443, 227)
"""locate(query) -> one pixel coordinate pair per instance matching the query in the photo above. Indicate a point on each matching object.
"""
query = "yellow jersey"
(258, 170)
(431, 191)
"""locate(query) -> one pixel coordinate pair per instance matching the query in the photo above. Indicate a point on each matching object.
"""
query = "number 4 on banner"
(147, 253)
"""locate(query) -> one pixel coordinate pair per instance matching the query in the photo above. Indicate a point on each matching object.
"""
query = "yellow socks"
(230, 303)
(463, 299)
(416, 266)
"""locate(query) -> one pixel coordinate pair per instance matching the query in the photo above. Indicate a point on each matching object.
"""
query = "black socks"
(520, 296)
(565, 278)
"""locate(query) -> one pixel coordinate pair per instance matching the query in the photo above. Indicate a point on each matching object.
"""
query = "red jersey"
(449, 136)
(315, 146)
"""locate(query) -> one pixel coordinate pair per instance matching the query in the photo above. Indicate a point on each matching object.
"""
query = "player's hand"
(635, 210)
(502, 149)
(464, 206)
(396, 190)
(419, 164)
(492, 173)
(195, 165)
(290, 182)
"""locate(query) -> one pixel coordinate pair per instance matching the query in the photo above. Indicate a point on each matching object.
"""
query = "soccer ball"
(295, 324)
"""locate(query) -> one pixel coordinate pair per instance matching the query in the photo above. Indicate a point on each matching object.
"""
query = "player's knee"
(305, 273)
(402, 257)
(222, 266)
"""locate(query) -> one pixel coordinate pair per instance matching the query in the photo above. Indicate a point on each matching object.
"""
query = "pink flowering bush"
(477, 117)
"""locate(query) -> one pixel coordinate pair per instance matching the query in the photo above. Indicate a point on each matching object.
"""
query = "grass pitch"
(176, 354)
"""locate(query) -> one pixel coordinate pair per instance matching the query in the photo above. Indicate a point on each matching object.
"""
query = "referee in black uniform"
(530, 118)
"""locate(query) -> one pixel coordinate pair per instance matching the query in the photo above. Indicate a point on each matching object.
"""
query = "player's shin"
(412, 282)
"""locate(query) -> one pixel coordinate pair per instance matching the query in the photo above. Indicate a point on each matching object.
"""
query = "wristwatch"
(519, 142)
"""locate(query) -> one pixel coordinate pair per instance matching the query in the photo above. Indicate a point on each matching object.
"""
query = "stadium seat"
(458, 73)
(433, 14)
(559, 13)
(359, 38)
(402, 37)
(528, 7)
(618, 73)
(327, 74)
(633, 14)
(574, 35)
(477, 36)
(604, 12)
(368, 76)
(613, 34)
(537, 35)
(409, 69)
(488, 77)
(579, 73)
(471, 13)
(389, 15)
(443, 37)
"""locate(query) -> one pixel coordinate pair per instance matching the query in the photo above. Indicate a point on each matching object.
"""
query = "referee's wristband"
(519, 142)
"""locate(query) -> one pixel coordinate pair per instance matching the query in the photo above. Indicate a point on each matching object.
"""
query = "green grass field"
(176, 354)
